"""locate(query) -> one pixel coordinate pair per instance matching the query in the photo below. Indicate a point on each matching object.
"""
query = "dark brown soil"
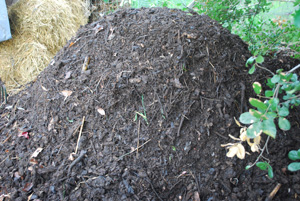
(170, 83)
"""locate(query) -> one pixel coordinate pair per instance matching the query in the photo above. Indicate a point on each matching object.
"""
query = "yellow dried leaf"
(255, 145)
(232, 151)
(237, 122)
(243, 134)
(232, 137)
(241, 151)
(238, 150)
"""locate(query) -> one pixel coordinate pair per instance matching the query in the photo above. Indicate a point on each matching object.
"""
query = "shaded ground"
(158, 79)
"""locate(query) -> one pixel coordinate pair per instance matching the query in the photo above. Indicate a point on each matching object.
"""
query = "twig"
(146, 179)
(262, 151)
(134, 149)
(7, 139)
(293, 69)
(80, 157)
(3, 160)
(273, 193)
(261, 67)
(79, 136)
(138, 140)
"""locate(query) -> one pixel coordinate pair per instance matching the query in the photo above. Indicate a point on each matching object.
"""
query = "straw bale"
(40, 29)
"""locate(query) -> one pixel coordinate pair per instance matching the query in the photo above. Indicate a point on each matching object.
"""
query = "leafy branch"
(282, 96)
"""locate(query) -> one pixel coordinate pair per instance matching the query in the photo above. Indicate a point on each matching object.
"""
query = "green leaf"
(256, 113)
(250, 61)
(275, 79)
(254, 130)
(294, 77)
(269, 127)
(294, 155)
(284, 124)
(257, 87)
(262, 165)
(274, 103)
(271, 115)
(252, 69)
(259, 59)
(258, 104)
(283, 111)
(289, 76)
(270, 172)
(295, 166)
(173, 148)
(270, 84)
(279, 71)
(248, 118)
(269, 93)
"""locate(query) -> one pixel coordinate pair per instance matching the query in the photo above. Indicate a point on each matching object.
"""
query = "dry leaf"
(33, 161)
(71, 157)
(177, 83)
(238, 150)
(101, 111)
(44, 88)
(27, 187)
(51, 124)
(36, 152)
(3, 196)
(66, 93)
(17, 175)
(72, 43)
(68, 75)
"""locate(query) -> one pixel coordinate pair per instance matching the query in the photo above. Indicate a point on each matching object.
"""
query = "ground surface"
(170, 84)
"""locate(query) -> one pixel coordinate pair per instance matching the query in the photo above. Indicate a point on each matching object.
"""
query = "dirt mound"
(150, 94)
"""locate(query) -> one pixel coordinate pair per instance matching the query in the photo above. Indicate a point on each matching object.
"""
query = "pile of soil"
(144, 98)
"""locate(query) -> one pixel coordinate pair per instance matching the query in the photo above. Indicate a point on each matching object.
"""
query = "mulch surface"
(145, 120)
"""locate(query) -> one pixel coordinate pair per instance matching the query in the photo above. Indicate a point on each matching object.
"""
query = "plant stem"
(262, 151)
(265, 69)
(293, 69)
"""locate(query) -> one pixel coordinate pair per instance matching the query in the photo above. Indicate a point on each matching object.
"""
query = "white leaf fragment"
(101, 111)
(66, 93)
(36, 152)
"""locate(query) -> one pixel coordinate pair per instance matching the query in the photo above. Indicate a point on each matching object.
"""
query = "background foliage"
(269, 27)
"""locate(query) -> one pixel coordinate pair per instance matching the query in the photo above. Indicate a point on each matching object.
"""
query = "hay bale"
(40, 29)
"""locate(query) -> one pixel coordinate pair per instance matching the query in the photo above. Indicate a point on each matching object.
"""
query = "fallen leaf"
(72, 43)
(24, 134)
(101, 111)
(238, 150)
(66, 93)
(71, 157)
(33, 161)
(2, 197)
(36, 152)
(17, 175)
(44, 88)
(27, 187)
(68, 75)
(177, 83)
(51, 124)
(196, 196)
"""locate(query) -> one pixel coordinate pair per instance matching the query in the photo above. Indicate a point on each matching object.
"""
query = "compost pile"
(135, 107)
